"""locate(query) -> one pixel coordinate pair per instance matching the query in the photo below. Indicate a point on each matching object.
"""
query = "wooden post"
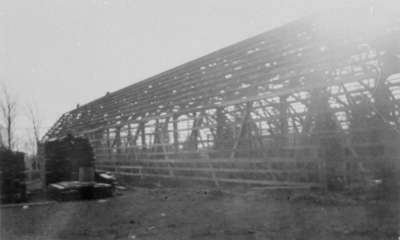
(134, 141)
(242, 125)
(108, 144)
(176, 133)
(319, 112)
(163, 131)
(143, 138)
(164, 138)
(195, 129)
(117, 143)
(283, 119)
(157, 139)
(128, 149)
(219, 138)
(117, 140)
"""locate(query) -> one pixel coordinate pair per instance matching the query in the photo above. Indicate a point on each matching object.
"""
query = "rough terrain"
(176, 213)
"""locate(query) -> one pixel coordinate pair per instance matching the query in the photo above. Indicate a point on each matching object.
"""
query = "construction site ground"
(208, 213)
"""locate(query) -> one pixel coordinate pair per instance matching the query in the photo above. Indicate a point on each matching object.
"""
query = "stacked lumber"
(12, 177)
(65, 156)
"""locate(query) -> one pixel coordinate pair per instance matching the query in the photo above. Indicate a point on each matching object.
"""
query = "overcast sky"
(63, 52)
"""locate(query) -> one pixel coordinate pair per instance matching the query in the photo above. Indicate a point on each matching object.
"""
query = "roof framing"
(298, 56)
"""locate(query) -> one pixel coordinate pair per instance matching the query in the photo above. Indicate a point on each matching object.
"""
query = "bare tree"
(1, 136)
(8, 108)
(35, 119)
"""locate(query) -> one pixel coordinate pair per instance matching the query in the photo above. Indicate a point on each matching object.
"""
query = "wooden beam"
(239, 135)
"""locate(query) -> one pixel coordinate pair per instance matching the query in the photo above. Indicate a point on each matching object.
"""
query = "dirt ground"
(176, 213)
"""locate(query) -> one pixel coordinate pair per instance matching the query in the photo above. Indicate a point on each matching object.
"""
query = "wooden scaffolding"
(314, 102)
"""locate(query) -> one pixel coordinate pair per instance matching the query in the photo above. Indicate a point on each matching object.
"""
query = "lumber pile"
(65, 156)
(12, 177)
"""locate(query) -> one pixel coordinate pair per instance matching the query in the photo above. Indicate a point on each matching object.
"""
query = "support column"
(219, 138)
(117, 143)
(143, 138)
(175, 133)
(129, 143)
(242, 129)
(330, 148)
(195, 130)
(117, 140)
(283, 119)
(108, 144)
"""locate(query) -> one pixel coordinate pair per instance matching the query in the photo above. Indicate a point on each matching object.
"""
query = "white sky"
(63, 52)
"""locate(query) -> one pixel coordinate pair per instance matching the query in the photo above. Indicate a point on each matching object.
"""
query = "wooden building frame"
(304, 104)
